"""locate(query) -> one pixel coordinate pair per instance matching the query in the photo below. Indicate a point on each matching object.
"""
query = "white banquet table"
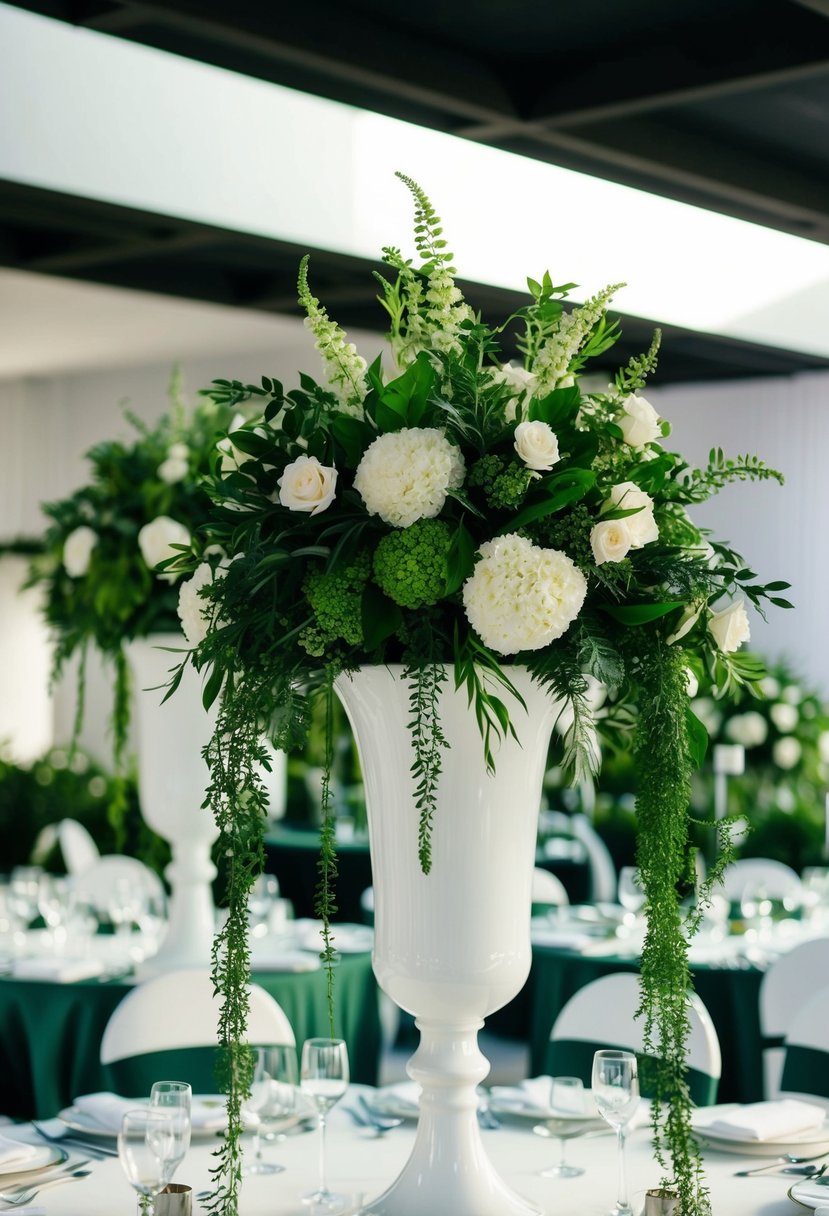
(361, 1165)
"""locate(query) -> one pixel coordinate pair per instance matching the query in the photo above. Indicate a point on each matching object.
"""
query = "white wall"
(781, 531)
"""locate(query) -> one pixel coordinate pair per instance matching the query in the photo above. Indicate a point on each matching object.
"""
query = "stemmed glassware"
(146, 1148)
(616, 1094)
(630, 893)
(569, 1113)
(324, 1077)
(272, 1099)
(175, 1098)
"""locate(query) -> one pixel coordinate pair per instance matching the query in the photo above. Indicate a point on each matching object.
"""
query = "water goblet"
(146, 1145)
(272, 1100)
(569, 1111)
(616, 1094)
(324, 1077)
(177, 1098)
(630, 893)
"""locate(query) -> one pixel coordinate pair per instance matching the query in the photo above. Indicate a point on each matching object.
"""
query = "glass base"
(264, 1167)
(325, 1201)
(561, 1171)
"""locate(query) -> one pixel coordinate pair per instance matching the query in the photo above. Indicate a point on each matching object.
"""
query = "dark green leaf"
(697, 738)
(381, 617)
(639, 614)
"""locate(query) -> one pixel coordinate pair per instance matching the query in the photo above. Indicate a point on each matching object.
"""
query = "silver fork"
(19, 1196)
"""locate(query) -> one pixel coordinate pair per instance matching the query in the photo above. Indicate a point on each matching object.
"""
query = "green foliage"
(504, 483)
(335, 597)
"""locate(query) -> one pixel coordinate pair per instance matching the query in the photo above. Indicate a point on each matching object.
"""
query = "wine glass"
(324, 1077)
(630, 893)
(616, 1094)
(568, 1106)
(177, 1098)
(272, 1099)
(146, 1145)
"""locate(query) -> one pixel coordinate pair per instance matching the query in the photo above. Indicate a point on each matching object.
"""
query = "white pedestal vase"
(453, 946)
(172, 779)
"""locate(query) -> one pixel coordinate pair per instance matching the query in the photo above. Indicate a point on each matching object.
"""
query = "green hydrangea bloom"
(504, 482)
(336, 597)
(410, 563)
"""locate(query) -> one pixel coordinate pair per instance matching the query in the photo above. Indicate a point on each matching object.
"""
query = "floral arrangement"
(456, 515)
(104, 561)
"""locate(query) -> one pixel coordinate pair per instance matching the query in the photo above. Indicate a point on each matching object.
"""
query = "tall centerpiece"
(456, 547)
(108, 583)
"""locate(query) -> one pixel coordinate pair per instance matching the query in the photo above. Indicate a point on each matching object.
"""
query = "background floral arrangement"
(103, 563)
(464, 515)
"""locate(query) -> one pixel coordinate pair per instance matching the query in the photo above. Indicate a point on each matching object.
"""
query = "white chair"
(806, 1063)
(602, 869)
(102, 883)
(175, 1012)
(602, 1014)
(778, 879)
(547, 889)
(786, 987)
(79, 850)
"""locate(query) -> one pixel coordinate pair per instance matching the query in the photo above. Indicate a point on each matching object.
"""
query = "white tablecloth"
(362, 1166)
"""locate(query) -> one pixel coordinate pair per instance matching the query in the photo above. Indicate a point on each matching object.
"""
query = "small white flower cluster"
(177, 465)
(552, 363)
(344, 367)
(521, 381)
(77, 551)
(433, 316)
(612, 539)
(405, 475)
(156, 540)
(520, 596)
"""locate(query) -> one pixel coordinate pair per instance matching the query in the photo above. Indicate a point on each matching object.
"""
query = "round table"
(731, 996)
(50, 1033)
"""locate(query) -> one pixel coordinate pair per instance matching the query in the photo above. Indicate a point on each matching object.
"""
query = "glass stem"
(562, 1148)
(622, 1202)
(257, 1146)
(323, 1186)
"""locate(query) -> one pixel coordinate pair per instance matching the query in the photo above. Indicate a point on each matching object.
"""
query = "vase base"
(483, 1195)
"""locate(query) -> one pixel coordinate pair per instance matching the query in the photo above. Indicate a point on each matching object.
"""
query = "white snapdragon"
(77, 551)
(730, 627)
(552, 362)
(610, 540)
(522, 597)
(522, 383)
(536, 445)
(405, 475)
(156, 540)
(639, 421)
(628, 497)
(307, 485)
(345, 369)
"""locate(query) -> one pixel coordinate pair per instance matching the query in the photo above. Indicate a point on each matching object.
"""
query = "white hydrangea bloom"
(195, 612)
(520, 596)
(405, 475)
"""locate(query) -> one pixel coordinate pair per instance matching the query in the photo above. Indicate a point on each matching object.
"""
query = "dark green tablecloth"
(731, 997)
(50, 1034)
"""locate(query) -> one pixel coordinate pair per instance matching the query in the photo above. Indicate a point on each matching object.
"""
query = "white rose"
(639, 422)
(786, 752)
(156, 540)
(173, 469)
(730, 627)
(307, 485)
(610, 540)
(642, 525)
(784, 716)
(77, 551)
(536, 445)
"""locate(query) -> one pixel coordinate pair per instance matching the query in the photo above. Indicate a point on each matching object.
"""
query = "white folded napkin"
(403, 1094)
(347, 938)
(107, 1110)
(530, 1097)
(768, 1120)
(15, 1153)
(58, 970)
(263, 959)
